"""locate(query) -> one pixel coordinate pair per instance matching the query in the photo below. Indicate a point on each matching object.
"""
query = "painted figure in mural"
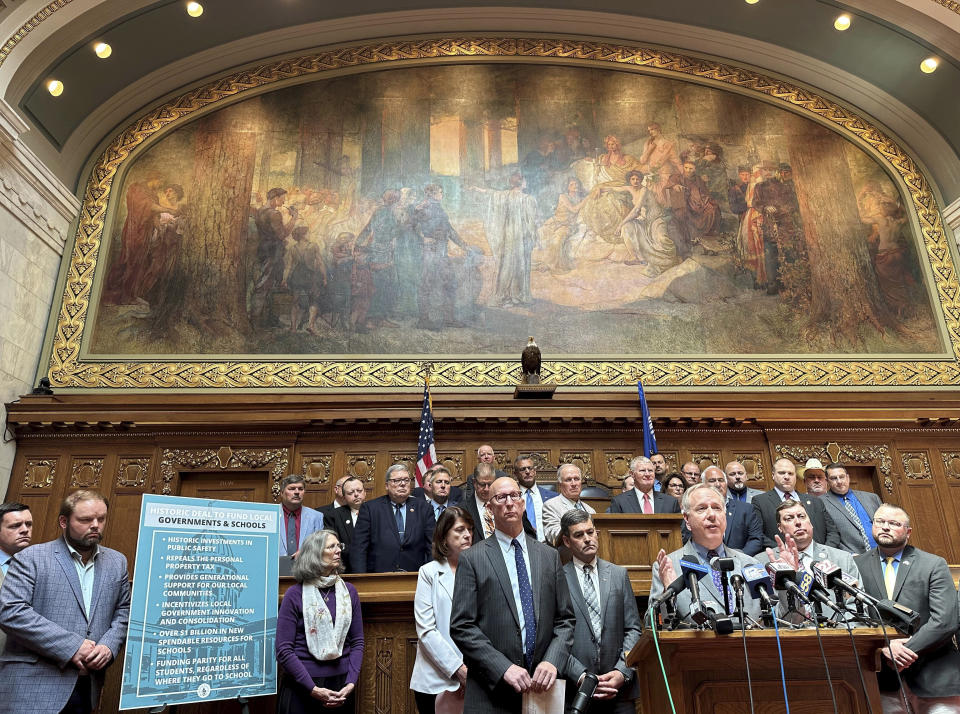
(629, 227)
(758, 255)
(713, 170)
(274, 224)
(891, 261)
(340, 277)
(659, 158)
(124, 282)
(437, 289)
(695, 210)
(737, 193)
(408, 255)
(305, 275)
(562, 231)
(537, 167)
(511, 229)
(573, 148)
(604, 210)
(650, 232)
(379, 237)
(784, 228)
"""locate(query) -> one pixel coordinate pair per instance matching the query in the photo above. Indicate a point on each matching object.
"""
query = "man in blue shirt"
(851, 511)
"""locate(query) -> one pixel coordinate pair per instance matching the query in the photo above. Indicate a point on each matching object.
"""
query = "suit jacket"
(824, 530)
(620, 629)
(310, 522)
(341, 522)
(744, 528)
(469, 504)
(553, 512)
(3, 635)
(42, 612)
(923, 584)
(486, 628)
(376, 546)
(850, 538)
(456, 495)
(629, 503)
(751, 493)
(438, 659)
(708, 591)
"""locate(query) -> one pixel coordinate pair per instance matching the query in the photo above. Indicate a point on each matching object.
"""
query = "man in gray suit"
(16, 529)
(928, 661)
(705, 515)
(511, 617)
(64, 606)
(737, 483)
(851, 511)
(608, 624)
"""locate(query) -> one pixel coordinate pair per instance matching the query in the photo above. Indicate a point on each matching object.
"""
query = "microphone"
(692, 572)
(784, 578)
(721, 624)
(724, 566)
(815, 591)
(737, 583)
(760, 586)
(833, 577)
(581, 702)
(671, 591)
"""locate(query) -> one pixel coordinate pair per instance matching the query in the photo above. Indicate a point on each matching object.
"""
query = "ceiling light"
(194, 9)
(929, 65)
(752, 2)
(103, 50)
(842, 22)
(55, 87)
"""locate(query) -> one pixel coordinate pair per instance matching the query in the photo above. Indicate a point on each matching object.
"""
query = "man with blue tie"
(852, 511)
(512, 617)
(436, 489)
(394, 532)
(533, 496)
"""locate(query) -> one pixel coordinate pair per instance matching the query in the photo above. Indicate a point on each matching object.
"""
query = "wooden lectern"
(633, 541)
(707, 672)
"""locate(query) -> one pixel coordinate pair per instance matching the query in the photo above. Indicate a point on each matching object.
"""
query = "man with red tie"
(643, 499)
(785, 487)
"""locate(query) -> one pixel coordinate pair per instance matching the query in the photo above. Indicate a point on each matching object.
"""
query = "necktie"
(440, 509)
(488, 526)
(856, 520)
(593, 602)
(291, 534)
(399, 508)
(715, 574)
(889, 577)
(526, 601)
(580, 506)
(531, 511)
(788, 496)
(647, 503)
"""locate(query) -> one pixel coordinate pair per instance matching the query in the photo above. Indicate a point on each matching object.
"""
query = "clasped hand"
(543, 677)
(331, 698)
(91, 656)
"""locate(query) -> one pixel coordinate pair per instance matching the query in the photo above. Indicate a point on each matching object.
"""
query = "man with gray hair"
(298, 520)
(570, 482)
(394, 532)
(643, 499)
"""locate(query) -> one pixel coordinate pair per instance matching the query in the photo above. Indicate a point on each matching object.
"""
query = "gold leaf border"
(66, 369)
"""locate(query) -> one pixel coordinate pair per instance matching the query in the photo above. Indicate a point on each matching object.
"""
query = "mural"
(458, 209)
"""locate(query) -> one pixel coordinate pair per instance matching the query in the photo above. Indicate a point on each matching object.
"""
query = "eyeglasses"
(335, 546)
(502, 498)
(526, 468)
(398, 481)
(883, 522)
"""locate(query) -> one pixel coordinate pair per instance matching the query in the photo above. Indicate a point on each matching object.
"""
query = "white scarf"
(325, 641)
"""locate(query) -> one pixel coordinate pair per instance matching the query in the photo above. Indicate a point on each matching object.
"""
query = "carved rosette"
(316, 468)
(364, 466)
(583, 460)
(703, 459)
(172, 461)
(39, 473)
(877, 455)
(67, 368)
(85, 472)
(916, 465)
(951, 463)
(618, 466)
(752, 464)
(132, 472)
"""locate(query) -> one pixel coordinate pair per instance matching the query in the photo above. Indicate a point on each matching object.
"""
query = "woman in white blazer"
(439, 665)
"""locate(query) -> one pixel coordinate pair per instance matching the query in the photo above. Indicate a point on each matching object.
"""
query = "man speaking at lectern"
(512, 618)
(705, 516)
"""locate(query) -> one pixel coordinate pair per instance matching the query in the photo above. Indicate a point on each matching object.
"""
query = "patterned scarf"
(324, 638)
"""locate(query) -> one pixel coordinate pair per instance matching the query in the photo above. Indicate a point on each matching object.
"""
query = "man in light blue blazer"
(298, 520)
(64, 606)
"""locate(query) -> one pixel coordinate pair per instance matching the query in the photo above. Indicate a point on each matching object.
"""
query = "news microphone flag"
(426, 453)
(649, 439)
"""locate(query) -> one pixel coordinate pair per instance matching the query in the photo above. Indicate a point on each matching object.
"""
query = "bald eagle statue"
(530, 362)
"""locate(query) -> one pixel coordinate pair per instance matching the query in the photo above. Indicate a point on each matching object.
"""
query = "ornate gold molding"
(86, 472)
(29, 26)
(224, 458)
(875, 454)
(40, 473)
(950, 5)
(68, 369)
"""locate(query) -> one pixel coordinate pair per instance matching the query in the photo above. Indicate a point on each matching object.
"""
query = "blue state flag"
(649, 438)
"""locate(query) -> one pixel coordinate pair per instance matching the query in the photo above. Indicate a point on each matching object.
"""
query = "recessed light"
(842, 22)
(929, 65)
(55, 87)
(194, 9)
(752, 2)
(102, 50)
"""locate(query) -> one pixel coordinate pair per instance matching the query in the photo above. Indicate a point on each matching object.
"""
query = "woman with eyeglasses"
(439, 665)
(319, 631)
(674, 484)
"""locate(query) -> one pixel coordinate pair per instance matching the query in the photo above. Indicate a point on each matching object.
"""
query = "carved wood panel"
(364, 466)
(316, 468)
(916, 465)
(172, 461)
(40, 472)
(951, 464)
(876, 455)
(86, 472)
(703, 459)
(583, 460)
(453, 461)
(132, 471)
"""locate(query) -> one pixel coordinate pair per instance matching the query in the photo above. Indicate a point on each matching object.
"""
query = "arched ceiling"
(158, 50)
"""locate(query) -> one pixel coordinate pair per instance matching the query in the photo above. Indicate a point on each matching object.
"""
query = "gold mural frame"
(67, 369)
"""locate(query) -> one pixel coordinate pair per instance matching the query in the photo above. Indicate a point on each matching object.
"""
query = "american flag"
(426, 454)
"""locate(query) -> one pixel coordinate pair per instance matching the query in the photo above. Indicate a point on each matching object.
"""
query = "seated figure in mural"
(511, 230)
(437, 291)
(305, 275)
(649, 231)
(891, 257)
(380, 237)
(274, 224)
(604, 210)
(562, 231)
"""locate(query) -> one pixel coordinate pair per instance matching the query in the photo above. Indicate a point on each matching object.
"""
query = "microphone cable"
(746, 658)
(783, 676)
(826, 666)
(896, 670)
(663, 671)
(856, 658)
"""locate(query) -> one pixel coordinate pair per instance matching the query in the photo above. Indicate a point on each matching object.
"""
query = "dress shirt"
(896, 562)
(734, 495)
(702, 552)
(640, 494)
(506, 545)
(436, 508)
(537, 508)
(296, 516)
(594, 576)
(5, 558)
(782, 493)
(354, 515)
(86, 573)
(862, 514)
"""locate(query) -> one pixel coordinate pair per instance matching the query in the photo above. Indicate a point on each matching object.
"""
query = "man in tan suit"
(16, 530)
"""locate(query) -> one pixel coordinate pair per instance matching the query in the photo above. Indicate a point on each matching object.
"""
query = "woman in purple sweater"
(319, 631)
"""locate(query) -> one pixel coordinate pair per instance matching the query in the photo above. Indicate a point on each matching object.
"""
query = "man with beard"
(64, 606)
(928, 660)
(16, 530)
(737, 483)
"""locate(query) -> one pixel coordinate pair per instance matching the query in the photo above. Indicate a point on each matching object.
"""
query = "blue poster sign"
(203, 616)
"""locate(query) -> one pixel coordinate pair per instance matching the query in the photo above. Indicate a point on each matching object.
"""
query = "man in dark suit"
(737, 483)
(393, 532)
(744, 530)
(608, 624)
(328, 510)
(475, 502)
(485, 455)
(534, 496)
(436, 489)
(512, 618)
(785, 480)
(928, 661)
(343, 521)
(643, 499)
(852, 511)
